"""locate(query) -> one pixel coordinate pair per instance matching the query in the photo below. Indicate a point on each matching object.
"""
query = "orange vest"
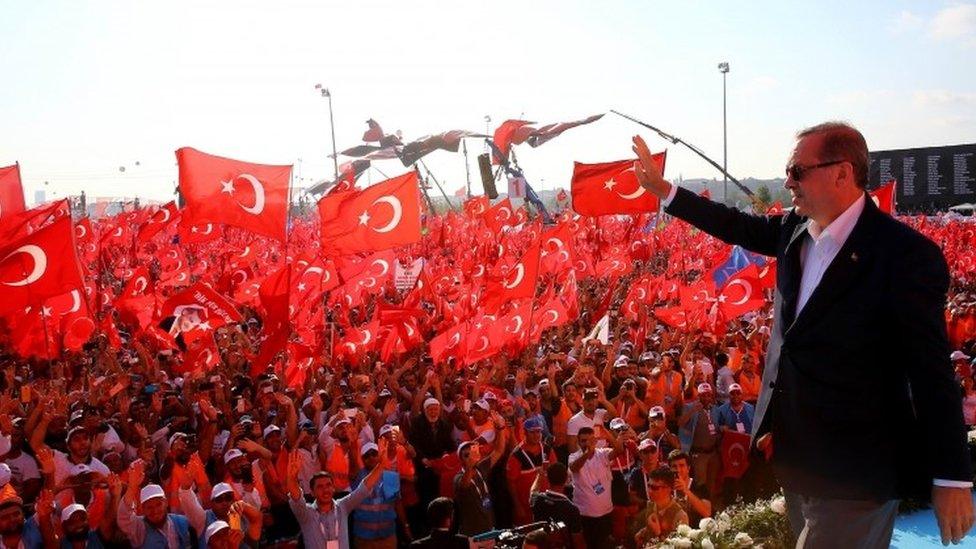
(338, 465)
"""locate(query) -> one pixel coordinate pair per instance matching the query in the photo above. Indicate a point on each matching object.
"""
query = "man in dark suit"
(440, 517)
(858, 395)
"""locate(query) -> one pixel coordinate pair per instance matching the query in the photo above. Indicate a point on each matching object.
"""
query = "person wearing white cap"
(154, 527)
(592, 478)
(596, 409)
(374, 523)
(76, 529)
(324, 521)
(658, 431)
(430, 435)
(736, 414)
(79, 445)
(245, 477)
(225, 507)
(699, 435)
(638, 477)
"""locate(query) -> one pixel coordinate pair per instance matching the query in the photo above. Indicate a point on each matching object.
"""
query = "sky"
(89, 88)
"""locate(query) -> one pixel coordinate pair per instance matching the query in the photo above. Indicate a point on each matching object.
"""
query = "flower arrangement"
(762, 523)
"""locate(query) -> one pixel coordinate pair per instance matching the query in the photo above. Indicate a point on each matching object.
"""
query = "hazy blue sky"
(86, 87)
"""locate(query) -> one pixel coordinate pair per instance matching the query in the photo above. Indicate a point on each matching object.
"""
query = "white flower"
(972, 435)
(778, 505)
(683, 543)
(683, 530)
(706, 524)
(707, 544)
(742, 539)
(694, 533)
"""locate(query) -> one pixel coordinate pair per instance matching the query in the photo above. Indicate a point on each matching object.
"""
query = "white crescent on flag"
(394, 203)
(258, 206)
(519, 275)
(40, 264)
(746, 291)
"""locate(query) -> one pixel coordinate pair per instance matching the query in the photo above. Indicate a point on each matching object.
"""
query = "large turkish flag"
(612, 188)
(38, 266)
(222, 190)
(380, 217)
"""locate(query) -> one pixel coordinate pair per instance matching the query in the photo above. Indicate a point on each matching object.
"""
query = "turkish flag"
(38, 266)
(884, 197)
(557, 250)
(612, 188)
(159, 221)
(511, 132)
(380, 217)
(775, 209)
(741, 293)
(204, 232)
(550, 315)
(222, 190)
(561, 196)
(500, 215)
(201, 355)
(518, 282)
(735, 454)
(450, 343)
(476, 206)
(11, 191)
(513, 328)
(676, 317)
(20, 224)
(301, 360)
(138, 283)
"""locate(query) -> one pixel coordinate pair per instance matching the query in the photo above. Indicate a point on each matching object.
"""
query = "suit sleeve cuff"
(952, 483)
(667, 201)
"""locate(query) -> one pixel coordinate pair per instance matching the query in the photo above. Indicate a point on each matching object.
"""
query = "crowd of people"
(619, 438)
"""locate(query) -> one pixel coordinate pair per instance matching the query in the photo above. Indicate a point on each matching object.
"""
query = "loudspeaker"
(487, 179)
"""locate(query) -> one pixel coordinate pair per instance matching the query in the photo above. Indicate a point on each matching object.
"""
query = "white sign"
(405, 278)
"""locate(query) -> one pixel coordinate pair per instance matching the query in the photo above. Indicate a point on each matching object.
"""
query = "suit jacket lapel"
(848, 262)
(789, 273)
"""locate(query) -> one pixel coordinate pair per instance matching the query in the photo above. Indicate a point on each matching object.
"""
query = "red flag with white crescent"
(242, 194)
(612, 188)
(38, 266)
(386, 215)
(735, 454)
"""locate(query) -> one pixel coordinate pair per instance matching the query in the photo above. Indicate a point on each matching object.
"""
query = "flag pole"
(423, 189)
(467, 167)
(436, 182)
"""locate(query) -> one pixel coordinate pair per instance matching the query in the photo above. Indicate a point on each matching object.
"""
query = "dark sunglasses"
(796, 172)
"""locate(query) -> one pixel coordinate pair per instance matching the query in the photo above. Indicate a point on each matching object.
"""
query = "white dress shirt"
(820, 247)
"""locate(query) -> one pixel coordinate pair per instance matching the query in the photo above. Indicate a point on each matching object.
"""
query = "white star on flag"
(227, 187)
(609, 184)
(364, 218)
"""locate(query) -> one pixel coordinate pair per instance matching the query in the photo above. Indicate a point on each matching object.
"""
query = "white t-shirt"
(580, 420)
(591, 485)
(63, 465)
(22, 468)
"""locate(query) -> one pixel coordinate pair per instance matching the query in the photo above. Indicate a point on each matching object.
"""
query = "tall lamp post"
(723, 68)
(335, 157)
